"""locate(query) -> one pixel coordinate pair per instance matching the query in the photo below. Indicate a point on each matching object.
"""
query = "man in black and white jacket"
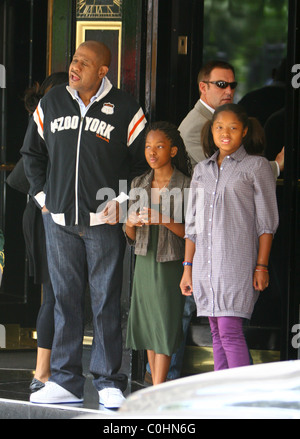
(83, 144)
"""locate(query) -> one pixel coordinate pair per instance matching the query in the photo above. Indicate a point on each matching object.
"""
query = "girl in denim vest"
(155, 226)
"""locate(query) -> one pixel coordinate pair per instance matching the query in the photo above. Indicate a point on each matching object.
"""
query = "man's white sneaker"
(53, 393)
(111, 398)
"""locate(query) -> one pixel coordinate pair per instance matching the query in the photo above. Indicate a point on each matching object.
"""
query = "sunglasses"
(223, 84)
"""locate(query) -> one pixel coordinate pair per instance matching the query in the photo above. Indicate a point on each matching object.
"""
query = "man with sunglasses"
(217, 84)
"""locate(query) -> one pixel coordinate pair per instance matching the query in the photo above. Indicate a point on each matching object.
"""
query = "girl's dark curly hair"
(254, 141)
(181, 159)
(36, 92)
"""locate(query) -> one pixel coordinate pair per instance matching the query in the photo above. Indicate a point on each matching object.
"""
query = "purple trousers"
(229, 345)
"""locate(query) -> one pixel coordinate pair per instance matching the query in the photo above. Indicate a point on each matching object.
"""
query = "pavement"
(16, 372)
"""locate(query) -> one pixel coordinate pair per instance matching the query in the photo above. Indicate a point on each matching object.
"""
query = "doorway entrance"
(23, 54)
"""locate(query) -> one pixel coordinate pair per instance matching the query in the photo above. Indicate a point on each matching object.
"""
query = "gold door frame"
(83, 26)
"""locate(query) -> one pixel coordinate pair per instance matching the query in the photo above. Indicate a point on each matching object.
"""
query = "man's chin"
(74, 85)
(226, 101)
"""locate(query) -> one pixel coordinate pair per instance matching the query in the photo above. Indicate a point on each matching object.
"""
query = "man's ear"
(202, 87)
(103, 71)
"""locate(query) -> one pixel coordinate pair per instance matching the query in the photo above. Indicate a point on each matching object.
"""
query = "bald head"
(89, 66)
(102, 52)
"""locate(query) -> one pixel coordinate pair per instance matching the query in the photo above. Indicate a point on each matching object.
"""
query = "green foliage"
(251, 34)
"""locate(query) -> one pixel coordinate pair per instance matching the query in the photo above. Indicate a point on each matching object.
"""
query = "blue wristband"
(187, 263)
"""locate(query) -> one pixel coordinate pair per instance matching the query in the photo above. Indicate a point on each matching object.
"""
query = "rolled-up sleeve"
(267, 218)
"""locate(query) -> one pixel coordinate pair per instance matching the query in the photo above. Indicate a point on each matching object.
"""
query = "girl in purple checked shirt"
(226, 257)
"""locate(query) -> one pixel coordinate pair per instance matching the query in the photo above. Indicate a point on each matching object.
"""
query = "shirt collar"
(212, 110)
(238, 155)
(176, 179)
(93, 98)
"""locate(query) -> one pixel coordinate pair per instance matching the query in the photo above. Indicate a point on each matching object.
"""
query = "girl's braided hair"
(181, 159)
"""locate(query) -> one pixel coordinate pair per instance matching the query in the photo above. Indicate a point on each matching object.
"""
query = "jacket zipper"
(78, 149)
(76, 170)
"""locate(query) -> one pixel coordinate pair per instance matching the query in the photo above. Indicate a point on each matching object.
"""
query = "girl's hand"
(260, 280)
(150, 216)
(134, 220)
(111, 213)
(186, 284)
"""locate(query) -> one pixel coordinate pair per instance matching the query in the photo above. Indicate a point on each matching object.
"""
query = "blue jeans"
(177, 358)
(78, 256)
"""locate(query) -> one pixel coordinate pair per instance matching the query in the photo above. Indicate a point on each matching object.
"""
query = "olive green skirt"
(155, 317)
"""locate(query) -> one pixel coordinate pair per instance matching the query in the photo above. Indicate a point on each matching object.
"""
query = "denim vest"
(170, 247)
